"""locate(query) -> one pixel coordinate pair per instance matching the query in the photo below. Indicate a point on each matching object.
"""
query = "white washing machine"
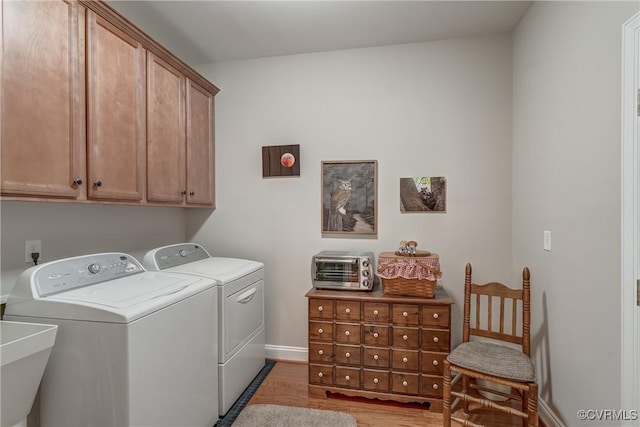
(134, 348)
(241, 347)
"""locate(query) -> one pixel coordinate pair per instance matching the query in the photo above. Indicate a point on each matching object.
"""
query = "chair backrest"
(497, 311)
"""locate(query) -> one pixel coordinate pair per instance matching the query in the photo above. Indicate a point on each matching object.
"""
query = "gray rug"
(289, 416)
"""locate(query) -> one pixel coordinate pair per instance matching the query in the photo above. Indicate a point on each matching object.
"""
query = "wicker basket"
(414, 276)
(409, 287)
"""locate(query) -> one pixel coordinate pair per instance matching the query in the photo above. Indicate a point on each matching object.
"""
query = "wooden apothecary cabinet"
(95, 110)
(374, 345)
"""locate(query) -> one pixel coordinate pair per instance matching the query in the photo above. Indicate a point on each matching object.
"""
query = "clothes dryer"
(133, 347)
(241, 332)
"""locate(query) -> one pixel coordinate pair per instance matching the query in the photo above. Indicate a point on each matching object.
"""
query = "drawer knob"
(320, 374)
(320, 308)
(405, 360)
(376, 335)
(320, 352)
(405, 314)
(435, 339)
(376, 381)
(435, 386)
(404, 383)
(376, 357)
(436, 315)
(347, 354)
(320, 330)
(347, 377)
(375, 312)
(435, 363)
(347, 333)
(405, 337)
(347, 310)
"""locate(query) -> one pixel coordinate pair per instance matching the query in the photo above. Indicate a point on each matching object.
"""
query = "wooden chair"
(487, 359)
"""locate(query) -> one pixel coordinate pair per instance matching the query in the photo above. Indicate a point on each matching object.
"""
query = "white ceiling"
(203, 32)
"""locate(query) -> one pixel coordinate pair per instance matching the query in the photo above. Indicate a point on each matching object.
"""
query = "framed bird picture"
(350, 197)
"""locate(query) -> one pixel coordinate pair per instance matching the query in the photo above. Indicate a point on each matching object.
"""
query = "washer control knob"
(94, 268)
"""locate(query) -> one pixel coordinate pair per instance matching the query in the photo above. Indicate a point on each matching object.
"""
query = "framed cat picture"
(350, 197)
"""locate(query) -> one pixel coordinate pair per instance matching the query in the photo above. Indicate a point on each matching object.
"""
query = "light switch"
(547, 240)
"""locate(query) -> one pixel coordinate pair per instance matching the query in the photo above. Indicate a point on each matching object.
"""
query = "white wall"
(428, 109)
(566, 179)
(68, 229)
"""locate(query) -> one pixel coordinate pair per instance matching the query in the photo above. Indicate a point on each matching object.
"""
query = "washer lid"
(102, 287)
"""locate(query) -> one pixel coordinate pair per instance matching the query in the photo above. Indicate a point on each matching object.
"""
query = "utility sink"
(24, 352)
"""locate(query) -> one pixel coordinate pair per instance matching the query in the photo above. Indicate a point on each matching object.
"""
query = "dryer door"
(243, 316)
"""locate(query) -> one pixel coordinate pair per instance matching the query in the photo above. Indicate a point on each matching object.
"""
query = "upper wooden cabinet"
(166, 166)
(42, 127)
(95, 110)
(200, 145)
(115, 119)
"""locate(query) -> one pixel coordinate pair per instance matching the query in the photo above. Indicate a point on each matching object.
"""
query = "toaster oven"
(343, 270)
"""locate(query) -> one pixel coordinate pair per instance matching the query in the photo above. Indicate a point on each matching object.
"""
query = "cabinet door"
(116, 125)
(42, 121)
(165, 132)
(200, 146)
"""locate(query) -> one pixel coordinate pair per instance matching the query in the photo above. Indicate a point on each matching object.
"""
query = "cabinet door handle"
(98, 183)
(77, 181)
(191, 193)
(184, 193)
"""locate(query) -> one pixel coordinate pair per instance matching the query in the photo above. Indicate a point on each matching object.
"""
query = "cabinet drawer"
(405, 360)
(348, 377)
(405, 314)
(375, 380)
(377, 312)
(348, 310)
(405, 337)
(376, 335)
(348, 354)
(375, 357)
(431, 386)
(435, 339)
(320, 309)
(320, 331)
(321, 353)
(348, 333)
(432, 362)
(405, 383)
(320, 374)
(435, 315)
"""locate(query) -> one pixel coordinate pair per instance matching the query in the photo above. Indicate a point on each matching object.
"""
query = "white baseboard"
(547, 416)
(291, 354)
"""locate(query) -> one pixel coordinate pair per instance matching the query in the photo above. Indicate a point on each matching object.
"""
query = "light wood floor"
(287, 383)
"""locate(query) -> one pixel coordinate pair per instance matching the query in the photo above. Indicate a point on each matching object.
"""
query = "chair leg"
(532, 405)
(524, 405)
(465, 390)
(446, 394)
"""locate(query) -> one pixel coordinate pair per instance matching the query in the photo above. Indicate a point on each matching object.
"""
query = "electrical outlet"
(31, 246)
(547, 241)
